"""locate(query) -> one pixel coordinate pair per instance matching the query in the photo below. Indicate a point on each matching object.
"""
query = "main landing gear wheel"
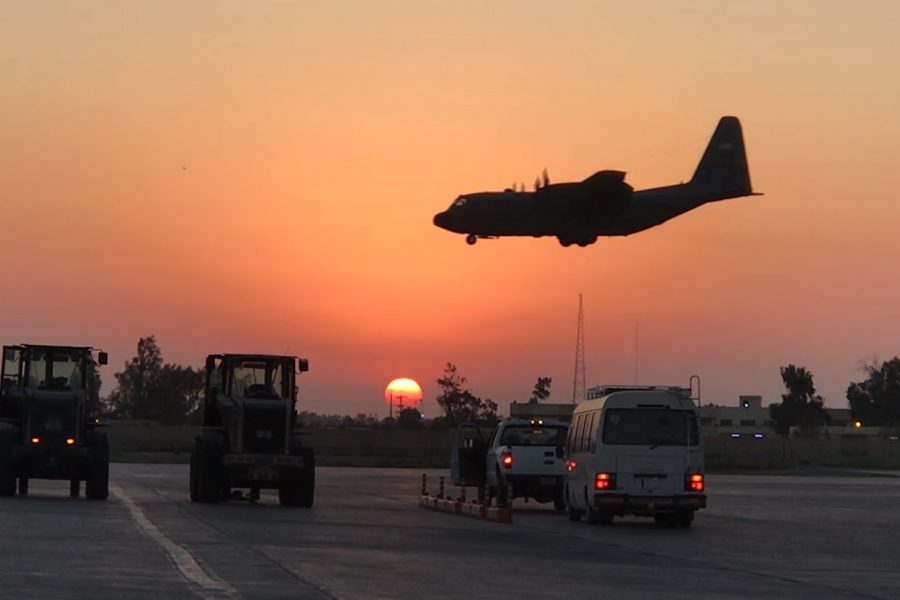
(471, 239)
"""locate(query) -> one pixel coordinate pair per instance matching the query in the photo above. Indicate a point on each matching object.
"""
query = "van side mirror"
(102, 358)
(302, 365)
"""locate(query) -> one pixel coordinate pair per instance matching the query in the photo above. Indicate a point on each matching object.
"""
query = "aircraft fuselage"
(603, 204)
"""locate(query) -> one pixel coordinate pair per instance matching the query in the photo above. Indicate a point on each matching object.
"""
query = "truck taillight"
(570, 465)
(693, 482)
(605, 481)
(506, 459)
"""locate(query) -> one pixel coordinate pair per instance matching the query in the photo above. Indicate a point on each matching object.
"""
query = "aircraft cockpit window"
(461, 201)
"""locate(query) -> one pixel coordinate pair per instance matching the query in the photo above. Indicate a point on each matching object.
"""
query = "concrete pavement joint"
(258, 551)
(204, 584)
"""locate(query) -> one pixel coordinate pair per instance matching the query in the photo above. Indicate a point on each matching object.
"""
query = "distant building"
(748, 418)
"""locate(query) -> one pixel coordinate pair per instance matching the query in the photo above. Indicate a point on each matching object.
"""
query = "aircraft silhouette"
(603, 204)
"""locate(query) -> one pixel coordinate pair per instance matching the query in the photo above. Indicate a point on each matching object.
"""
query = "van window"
(585, 432)
(693, 430)
(650, 427)
(576, 438)
(592, 440)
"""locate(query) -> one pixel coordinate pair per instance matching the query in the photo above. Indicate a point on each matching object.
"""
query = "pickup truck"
(521, 459)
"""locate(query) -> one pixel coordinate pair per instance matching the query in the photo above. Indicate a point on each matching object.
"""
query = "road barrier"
(459, 506)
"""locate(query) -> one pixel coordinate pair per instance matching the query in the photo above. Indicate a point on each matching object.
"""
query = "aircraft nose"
(440, 220)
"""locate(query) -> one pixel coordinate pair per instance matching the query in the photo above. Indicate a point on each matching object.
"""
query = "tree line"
(874, 401)
(148, 388)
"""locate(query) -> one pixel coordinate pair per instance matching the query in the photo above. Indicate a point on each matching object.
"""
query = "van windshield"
(650, 427)
(529, 435)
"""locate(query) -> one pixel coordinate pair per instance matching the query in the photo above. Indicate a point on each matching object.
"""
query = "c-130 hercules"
(603, 204)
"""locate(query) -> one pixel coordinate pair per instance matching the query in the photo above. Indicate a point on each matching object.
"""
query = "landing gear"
(471, 239)
(580, 240)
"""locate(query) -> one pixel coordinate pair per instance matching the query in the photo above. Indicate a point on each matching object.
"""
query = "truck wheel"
(74, 488)
(96, 486)
(300, 491)
(192, 485)
(308, 479)
(23, 486)
(7, 475)
(559, 502)
(210, 475)
(502, 492)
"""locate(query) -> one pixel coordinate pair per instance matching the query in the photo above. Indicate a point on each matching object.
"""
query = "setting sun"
(403, 392)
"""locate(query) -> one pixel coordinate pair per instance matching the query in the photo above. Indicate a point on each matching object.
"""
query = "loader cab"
(253, 397)
(57, 374)
(249, 437)
(49, 407)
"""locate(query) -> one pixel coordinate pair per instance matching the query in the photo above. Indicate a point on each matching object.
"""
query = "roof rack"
(605, 390)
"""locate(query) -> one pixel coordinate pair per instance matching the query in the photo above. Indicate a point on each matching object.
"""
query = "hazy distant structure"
(578, 384)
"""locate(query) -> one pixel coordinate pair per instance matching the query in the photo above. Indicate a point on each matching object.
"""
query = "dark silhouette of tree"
(176, 399)
(459, 404)
(876, 400)
(133, 397)
(541, 390)
(800, 406)
(150, 389)
(409, 418)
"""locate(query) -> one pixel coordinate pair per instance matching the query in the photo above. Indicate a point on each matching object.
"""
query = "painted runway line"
(203, 583)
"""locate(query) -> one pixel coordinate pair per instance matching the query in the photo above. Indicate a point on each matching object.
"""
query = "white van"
(635, 451)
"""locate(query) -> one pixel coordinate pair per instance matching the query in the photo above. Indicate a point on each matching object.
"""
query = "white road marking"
(205, 584)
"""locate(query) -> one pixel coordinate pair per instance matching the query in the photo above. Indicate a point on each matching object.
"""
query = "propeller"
(546, 178)
(537, 183)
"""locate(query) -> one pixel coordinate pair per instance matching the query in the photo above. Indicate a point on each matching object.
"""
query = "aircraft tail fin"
(723, 169)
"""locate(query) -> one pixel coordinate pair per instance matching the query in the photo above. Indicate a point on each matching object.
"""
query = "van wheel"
(574, 514)
(684, 518)
(594, 516)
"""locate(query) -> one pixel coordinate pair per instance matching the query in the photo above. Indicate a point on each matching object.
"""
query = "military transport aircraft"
(603, 204)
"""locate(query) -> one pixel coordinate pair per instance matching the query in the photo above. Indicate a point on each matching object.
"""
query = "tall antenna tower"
(578, 385)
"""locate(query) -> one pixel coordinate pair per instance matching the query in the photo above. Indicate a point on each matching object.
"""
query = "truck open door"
(467, 457)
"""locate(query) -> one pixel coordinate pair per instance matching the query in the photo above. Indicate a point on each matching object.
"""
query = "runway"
(763, 536)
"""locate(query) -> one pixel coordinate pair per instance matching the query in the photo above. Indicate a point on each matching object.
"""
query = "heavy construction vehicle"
(49, 414)
(249, 437)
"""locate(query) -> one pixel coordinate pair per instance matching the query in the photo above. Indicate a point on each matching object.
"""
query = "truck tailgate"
(536, 460)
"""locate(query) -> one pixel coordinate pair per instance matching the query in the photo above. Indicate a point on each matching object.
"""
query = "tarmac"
(367, 537)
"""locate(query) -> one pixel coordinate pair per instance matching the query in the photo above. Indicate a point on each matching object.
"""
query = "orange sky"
(234, 176)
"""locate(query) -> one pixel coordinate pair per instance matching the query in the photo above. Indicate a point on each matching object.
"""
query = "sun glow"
(403, 392)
